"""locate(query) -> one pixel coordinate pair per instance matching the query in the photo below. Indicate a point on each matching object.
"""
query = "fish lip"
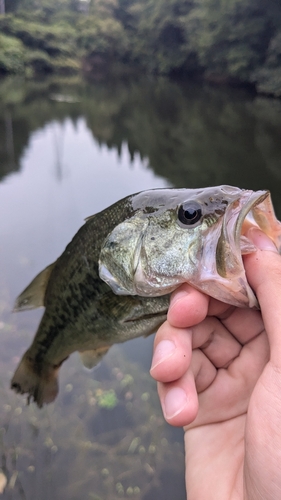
(255, 198)
(236, 215)
(229, 261)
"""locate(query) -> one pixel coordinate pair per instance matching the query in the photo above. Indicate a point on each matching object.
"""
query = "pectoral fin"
(33, 295)
(92, 357)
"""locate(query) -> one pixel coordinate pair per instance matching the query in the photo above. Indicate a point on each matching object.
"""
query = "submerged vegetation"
(102, 439)
(233, 41)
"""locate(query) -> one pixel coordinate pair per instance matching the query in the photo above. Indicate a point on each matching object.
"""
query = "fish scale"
(113, 281)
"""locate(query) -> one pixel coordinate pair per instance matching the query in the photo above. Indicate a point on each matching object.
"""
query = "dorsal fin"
(89, 217)
(33, 295)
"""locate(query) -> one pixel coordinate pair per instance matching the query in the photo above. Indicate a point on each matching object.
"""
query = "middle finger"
(216, 342)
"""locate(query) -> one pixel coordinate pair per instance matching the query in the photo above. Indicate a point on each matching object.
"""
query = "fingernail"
(174, 402)
(163, 350)
(261, 240)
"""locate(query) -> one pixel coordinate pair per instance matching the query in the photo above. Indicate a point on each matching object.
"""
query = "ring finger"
(216, 342)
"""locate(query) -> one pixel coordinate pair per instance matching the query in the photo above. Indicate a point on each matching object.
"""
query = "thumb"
(263, 270)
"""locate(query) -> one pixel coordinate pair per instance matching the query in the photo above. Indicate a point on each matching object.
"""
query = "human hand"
(219, 374)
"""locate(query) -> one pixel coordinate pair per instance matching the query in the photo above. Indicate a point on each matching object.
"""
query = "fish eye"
(189, 213)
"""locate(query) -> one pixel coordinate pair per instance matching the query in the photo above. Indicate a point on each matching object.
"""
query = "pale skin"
(219, 376)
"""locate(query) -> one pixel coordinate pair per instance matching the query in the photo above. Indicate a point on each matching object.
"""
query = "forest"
(235, 42)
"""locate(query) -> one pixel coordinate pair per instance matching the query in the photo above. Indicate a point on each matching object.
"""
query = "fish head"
(195, 236)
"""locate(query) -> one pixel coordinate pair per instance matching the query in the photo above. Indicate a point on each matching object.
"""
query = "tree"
(2, 7)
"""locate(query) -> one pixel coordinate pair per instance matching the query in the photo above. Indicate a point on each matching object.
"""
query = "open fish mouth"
(250, 216)
(240, 215)
(251, 209)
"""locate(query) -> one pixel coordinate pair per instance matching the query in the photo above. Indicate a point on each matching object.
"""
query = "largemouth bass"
(113, 281)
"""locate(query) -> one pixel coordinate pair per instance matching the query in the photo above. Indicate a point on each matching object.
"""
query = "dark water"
(67, 150)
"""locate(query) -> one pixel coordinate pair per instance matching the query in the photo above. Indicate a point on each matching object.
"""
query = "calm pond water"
(67, 150)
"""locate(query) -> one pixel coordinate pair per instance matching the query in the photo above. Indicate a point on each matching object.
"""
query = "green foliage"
(56, 39)
(161, 44)
(39, 48)
(105, 37)
(11, 55)
(38, 62)
(223, 40)
(230, 37)
(103, 9)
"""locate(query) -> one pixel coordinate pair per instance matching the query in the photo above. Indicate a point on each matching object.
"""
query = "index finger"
(188, 307)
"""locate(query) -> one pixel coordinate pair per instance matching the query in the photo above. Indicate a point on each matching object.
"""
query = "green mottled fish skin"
(141, 247)
(82, 312)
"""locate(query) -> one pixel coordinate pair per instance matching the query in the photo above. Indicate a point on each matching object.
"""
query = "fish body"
(113, 281)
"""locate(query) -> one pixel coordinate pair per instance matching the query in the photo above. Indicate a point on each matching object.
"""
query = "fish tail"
(40, 387)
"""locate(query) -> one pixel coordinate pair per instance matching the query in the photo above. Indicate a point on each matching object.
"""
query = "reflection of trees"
(12, 141)
(192, 135)
(268, 117)
(58, 137)
(14, 130)
(23, 109)
(9, 137)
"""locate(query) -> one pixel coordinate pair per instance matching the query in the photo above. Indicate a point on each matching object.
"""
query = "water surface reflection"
(104, 437)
